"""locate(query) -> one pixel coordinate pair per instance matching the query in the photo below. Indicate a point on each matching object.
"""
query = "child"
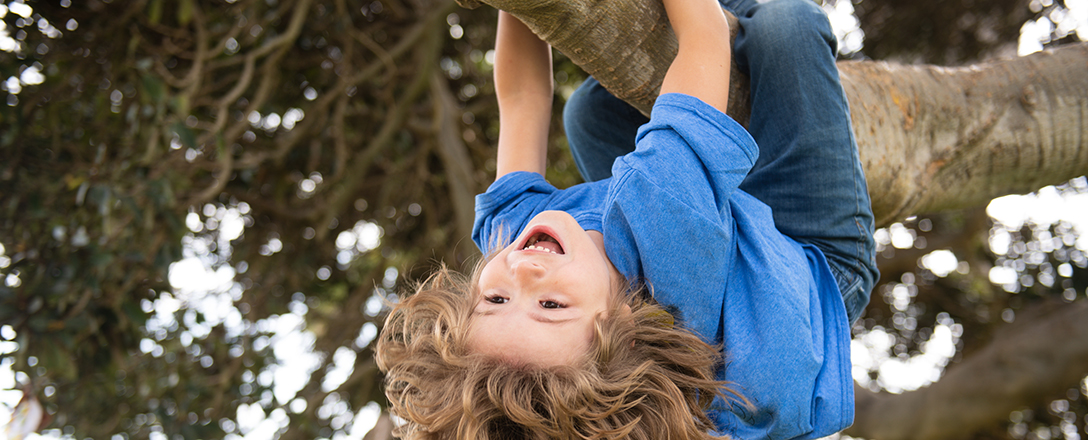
(546, 340)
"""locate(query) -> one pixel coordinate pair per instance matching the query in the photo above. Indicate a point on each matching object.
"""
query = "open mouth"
(543, 242)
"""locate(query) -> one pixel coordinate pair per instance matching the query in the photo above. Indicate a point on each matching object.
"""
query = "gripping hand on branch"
(701, 66)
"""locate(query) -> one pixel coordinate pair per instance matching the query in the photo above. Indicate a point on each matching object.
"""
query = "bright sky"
(202, 284)
(1072, 18)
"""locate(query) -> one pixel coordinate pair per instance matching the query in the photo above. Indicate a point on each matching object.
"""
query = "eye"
(496, 299)
(549, 304)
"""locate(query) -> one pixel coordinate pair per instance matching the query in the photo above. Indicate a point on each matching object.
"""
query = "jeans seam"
(849, 287)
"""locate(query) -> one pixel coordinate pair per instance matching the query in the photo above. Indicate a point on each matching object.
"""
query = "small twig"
(285, 143)
(385, 57)
(192, 81)
(226, 162)
(392, 124)
(282, 40)
(340, 144)
(84, 299)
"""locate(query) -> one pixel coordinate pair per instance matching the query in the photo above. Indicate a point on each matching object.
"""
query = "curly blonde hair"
(644, 377)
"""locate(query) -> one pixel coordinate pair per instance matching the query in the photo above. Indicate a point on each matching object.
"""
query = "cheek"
(481, 337)
(487, 276)
(472, 335)
(596, 280)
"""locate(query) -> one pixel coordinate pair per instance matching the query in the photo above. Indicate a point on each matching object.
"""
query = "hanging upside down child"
(703, 287)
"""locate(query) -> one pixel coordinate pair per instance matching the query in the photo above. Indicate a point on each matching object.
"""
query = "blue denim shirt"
(672, 215)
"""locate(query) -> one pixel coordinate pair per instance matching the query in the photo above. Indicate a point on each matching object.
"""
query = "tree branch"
(930, 138)
(1013, 369)
(933, 138)
(393, 122)
(454, 155)
(320, 106)
(298, 17)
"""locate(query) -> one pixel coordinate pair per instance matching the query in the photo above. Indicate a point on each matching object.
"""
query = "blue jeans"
(808, 170)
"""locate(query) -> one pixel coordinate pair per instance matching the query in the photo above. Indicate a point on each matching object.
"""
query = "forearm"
(523, 87)
(701, 67)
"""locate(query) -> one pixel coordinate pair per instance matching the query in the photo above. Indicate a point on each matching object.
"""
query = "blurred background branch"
(206, 206)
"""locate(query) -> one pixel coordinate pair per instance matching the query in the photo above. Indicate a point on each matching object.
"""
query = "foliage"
(161, 128)
(1000, 278)
(955, 33)
(313, 156)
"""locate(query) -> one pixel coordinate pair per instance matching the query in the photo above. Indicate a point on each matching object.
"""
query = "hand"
(701, 66)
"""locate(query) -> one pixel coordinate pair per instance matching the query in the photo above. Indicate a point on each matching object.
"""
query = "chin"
(560, 220)
(559, 224)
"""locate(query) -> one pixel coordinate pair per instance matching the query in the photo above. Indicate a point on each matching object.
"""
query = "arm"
(701, 66)
(523, 86)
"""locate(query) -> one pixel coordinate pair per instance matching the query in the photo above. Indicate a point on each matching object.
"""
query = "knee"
(789, 24)
(790, 14)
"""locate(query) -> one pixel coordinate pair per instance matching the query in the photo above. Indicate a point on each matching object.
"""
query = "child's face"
(540, 295)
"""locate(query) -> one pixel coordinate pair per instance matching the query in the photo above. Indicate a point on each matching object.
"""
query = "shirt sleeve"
(684, 136)
(506, 207)
(667, 217)
(515, 198)
(712, 255)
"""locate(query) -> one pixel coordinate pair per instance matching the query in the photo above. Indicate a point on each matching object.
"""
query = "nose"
(527, 271)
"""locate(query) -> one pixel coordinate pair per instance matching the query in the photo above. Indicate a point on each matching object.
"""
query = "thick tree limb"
(1016, 368)
(933, 138)
(626, 44)
(930, 138)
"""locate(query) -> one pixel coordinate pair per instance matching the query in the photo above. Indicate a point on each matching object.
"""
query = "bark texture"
(1014, 369)
(930, 138)
(626, 44)
(935, 138)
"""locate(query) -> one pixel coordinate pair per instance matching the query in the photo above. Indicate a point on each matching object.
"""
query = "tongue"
(550, 245)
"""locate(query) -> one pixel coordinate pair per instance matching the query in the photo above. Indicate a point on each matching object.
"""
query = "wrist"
(703, 18)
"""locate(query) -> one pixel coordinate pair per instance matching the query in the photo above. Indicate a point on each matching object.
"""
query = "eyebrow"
(535, 316)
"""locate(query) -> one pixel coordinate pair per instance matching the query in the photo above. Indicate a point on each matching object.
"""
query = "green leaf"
(166, 256)
(185, 12)
(37, 323)
(135, 315)
(101, 196)
(180, 104)
(160, 192)
(188, 138)
(79, 324)
(154, 11)
(154, 88)
(57, 361)
(7, 312)
(8, 137)
(102, 260)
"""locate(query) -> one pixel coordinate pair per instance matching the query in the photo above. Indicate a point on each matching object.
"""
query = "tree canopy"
(206, 206)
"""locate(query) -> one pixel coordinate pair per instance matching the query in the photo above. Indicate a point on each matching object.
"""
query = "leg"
(600, 128)
(808, 170)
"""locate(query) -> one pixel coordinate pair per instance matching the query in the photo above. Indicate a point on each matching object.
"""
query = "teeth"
(539, 248)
